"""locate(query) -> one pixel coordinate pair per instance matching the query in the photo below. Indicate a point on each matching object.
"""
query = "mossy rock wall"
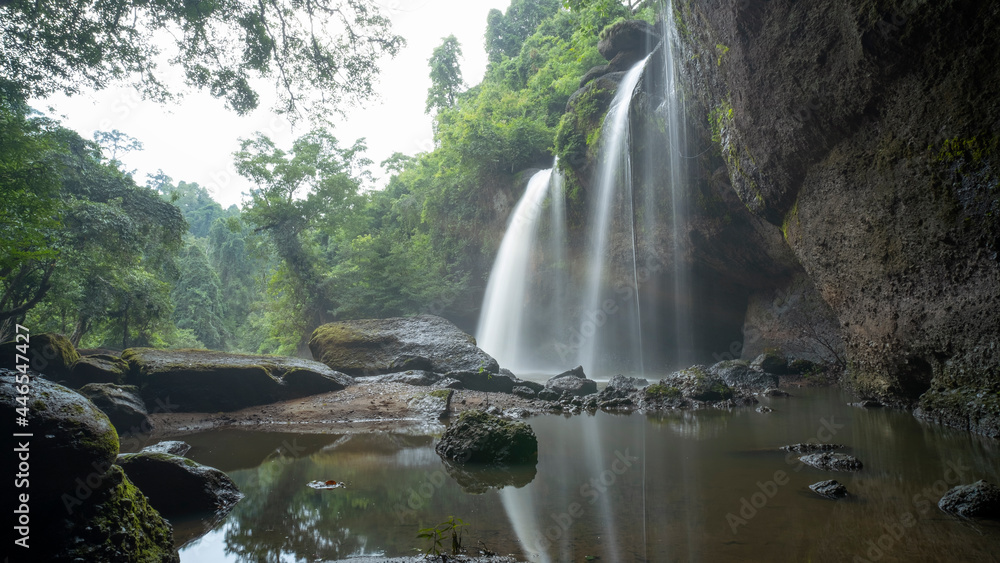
(865, 131)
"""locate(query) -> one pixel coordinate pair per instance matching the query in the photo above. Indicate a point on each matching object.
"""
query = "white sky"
(193, 140)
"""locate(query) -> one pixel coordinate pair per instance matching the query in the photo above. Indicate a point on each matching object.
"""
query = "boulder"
(832, 461)
(88, 509)
(49, 353)
(698, 384)
(739, 375)
(524, 392)
(770, 362)
(122, 404)
(373, 346)
(478, 437)
(407, 362)
(594, 72)
(99, 368)
(177, 486)
(210, 381)
(830, 489)
(629, 35)
(477, 480)
(807, 447)
(72, 439)
(175, 447)
(573, 382)
(419, 378)
(621, 387)
(978, 500)
(485, 381)
(435, 405)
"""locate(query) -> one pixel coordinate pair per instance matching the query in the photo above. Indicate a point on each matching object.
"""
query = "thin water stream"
(717, 489)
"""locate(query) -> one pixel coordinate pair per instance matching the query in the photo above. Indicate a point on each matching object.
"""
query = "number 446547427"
(22, 362)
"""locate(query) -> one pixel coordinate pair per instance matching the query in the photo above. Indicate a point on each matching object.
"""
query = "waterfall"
(515, 313)
(605, 319)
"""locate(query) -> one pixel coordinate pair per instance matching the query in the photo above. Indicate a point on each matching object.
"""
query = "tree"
(446, 75)
(321, 54)
(306, 191)
(197, 298)
(505, 32)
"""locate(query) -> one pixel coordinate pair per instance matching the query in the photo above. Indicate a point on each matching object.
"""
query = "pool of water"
(703, 485)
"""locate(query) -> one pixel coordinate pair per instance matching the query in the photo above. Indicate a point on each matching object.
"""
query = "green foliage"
(446, 75)
(506, 31)
(435, 536)
(320, 54)
(198, 301)
(661, 391)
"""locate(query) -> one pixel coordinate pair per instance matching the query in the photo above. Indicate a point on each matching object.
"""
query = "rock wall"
(867, 132)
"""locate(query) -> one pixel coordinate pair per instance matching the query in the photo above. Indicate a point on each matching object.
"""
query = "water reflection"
(621, 488)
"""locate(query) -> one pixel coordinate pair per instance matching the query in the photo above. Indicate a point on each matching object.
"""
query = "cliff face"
(866, 133)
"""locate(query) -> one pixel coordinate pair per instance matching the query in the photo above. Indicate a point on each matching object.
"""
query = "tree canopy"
(446, 75)
(320, 54)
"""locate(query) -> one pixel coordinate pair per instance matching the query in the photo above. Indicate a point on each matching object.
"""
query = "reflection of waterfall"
(607, 320)
(520, 310)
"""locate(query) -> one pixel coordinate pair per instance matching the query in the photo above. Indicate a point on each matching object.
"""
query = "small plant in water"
(436, 537)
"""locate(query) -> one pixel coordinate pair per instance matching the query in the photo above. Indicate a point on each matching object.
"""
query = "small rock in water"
(774, 392)
(832, 461)
(829, 489)
(978, 500)
(808, 447)
(867, 404)
(174, 447)
(763, 409)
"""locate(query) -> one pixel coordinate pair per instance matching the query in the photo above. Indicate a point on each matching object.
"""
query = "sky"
(193, 140)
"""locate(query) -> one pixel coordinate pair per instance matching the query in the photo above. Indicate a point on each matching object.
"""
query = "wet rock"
(810, 447)
(739, 375)
(101, 368)
(594, 72)
(636, 36)
(210, 381)
(73, 439)
(573, 382)
(82, 497)
(177, 486)
(832, 461)
(407, 362)
(774, 392)
(549, 395)
(867, 404)
(413, 377)
(802, 366)
(450, 383)
(174, 447)
(764, 410)
(484, 381)
(830, 489)
(524, 392)
(978, 500)
(49, 353)
(621, 387)
(435, 405)
(770, 362)
(478, 437)
(122, 404)
(698, 384)
(370, 346)
(516, 413)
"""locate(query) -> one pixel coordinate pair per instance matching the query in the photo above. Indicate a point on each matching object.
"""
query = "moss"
(719, 119)
(39, 405)
(721, 50)
(662, 391)
(440, 393)
(792, 215)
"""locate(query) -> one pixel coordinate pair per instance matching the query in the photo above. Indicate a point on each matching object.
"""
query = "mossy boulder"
(771, 361)
(122, 404)
(72, 439)
(738, 374)
(87, 509)
(481, 438)
(209, 381)
(49, 353)
(377, 346)
(177, 486)
(627, 36)
(99, 368)
(699, 384)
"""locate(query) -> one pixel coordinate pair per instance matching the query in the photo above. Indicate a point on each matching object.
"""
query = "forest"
(114, 261)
